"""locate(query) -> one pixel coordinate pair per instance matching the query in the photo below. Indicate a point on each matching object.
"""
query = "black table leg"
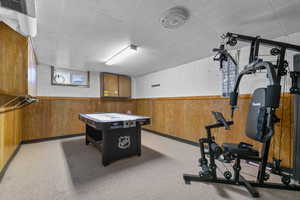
(139, 139)
(105, 148)
(86, 134)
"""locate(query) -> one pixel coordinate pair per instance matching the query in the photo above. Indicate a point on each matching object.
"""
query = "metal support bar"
(250, 185)
(246, 38)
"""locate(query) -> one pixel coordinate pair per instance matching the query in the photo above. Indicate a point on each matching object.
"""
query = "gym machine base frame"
(250, 185)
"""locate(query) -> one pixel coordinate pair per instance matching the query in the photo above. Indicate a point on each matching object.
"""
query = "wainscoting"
(185, 117)
(50, 117)
(181, 117)
(57, 116)
(10, 134)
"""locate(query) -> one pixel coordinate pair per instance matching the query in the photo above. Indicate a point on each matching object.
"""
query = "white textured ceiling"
(82, 34)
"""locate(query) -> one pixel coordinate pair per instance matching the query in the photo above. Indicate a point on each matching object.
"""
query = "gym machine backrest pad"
(297, 123)
(256, 121)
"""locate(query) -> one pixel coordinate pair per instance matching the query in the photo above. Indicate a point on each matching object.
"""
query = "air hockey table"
(116, 135)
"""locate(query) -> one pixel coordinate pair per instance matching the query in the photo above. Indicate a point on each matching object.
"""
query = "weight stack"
(297, 123)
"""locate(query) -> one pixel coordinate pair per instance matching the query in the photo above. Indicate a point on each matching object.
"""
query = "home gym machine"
(260, 122)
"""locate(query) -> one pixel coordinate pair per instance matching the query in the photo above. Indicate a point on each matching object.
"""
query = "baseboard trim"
(3, 171)
(51, 138)
(173, 137)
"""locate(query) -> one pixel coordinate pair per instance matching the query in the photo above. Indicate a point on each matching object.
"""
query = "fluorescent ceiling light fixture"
(121, 55)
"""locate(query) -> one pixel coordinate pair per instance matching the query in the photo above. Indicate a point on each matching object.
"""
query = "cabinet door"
(124, 86)
(13, 62)
(110, 85)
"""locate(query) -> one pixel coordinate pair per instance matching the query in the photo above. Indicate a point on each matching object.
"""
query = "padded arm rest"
(220, 118)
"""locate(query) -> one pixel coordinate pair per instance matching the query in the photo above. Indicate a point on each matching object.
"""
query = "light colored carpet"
(68, 169)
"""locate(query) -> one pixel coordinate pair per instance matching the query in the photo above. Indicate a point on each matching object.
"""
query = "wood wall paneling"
(10, 134)
(144, 107)
(186, 117)
(158, 113)
(52, 116)
(174, 114)
(1, 141)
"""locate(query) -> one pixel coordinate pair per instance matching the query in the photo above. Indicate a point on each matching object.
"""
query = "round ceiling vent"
(174, 17)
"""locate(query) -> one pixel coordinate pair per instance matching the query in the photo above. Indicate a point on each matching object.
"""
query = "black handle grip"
(295, 89)
(220, 118)
(233, 98)
(233, 101)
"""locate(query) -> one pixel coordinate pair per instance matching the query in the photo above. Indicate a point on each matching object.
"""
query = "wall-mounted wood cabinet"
(115, 85)
(17, 64)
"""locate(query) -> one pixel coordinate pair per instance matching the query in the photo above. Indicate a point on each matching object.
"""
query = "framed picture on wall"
(68, 77)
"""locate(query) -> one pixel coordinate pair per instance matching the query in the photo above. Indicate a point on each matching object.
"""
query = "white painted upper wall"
(202, 77)
(184, 80)
(198, 78)
(46, 89)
